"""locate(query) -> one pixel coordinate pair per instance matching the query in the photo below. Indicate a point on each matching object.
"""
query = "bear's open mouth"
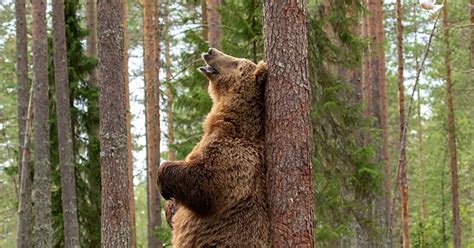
(208, 69)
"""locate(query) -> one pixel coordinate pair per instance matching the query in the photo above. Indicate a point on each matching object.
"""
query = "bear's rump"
(245, 225)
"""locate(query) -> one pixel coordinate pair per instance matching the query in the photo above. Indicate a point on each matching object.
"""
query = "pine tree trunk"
(151, 70)
(116, 219)
(375, 94)
(403, 184)
(214, 21)
(451, 134)
(129, 126)
(25, 218)
(43, 233)
(380, 37)
(472, 38)
(65, 136)
(204, 22)
(91, 24)
(92, 129)
(288, 124)
(169, 91)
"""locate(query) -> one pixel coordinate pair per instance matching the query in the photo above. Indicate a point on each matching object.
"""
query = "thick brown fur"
(219, 189)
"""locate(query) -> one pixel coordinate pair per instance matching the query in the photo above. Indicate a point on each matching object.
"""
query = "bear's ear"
(261, 72)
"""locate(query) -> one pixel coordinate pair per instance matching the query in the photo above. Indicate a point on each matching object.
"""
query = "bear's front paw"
(165, 173)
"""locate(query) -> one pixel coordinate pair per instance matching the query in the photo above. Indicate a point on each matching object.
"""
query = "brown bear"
(219, 189)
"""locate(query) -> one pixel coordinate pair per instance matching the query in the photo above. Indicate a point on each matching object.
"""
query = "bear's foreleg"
(192, 185)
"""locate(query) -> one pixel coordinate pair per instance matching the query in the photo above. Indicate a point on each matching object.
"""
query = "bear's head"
(230, 76)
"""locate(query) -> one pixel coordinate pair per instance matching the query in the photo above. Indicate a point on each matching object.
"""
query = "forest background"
(349, 180)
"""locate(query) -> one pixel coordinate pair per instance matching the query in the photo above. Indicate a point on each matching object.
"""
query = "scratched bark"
(288, 124)
(116, 229)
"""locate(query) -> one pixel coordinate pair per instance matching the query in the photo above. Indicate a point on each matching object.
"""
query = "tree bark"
(382, 101)
(288, 124)
(116, 219)
(214, 22)
(375, 96)
(204, 22)
(65, 136)
(169, 90)
(25, 218)
(43, 233)
(472, 38)
(451, 134)
(91, 24)
(151, 74)
(403, 184)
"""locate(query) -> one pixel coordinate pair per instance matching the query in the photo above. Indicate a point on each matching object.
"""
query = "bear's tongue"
(208, 69)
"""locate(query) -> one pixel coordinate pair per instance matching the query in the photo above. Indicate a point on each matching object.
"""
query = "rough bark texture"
(151, 73)
(116, 219)
(403, 184)
(214, 21)
(169, 91)
(65, 136)
(25, 230)
(451, 134)
(43, 233)
(288, 124)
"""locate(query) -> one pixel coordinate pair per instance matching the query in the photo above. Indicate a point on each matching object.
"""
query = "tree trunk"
(169, 89)
(382, 101)
(375, 96)
(129, 126)
(451, 134)
(25, 230)
(92, 129)
(472, 39)
(116, 219)
(151, 73)
(403, 184)
(288, 124)
(91, 24)
(214, 21)
(65, 136)
(43, 233)
(204, 22)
